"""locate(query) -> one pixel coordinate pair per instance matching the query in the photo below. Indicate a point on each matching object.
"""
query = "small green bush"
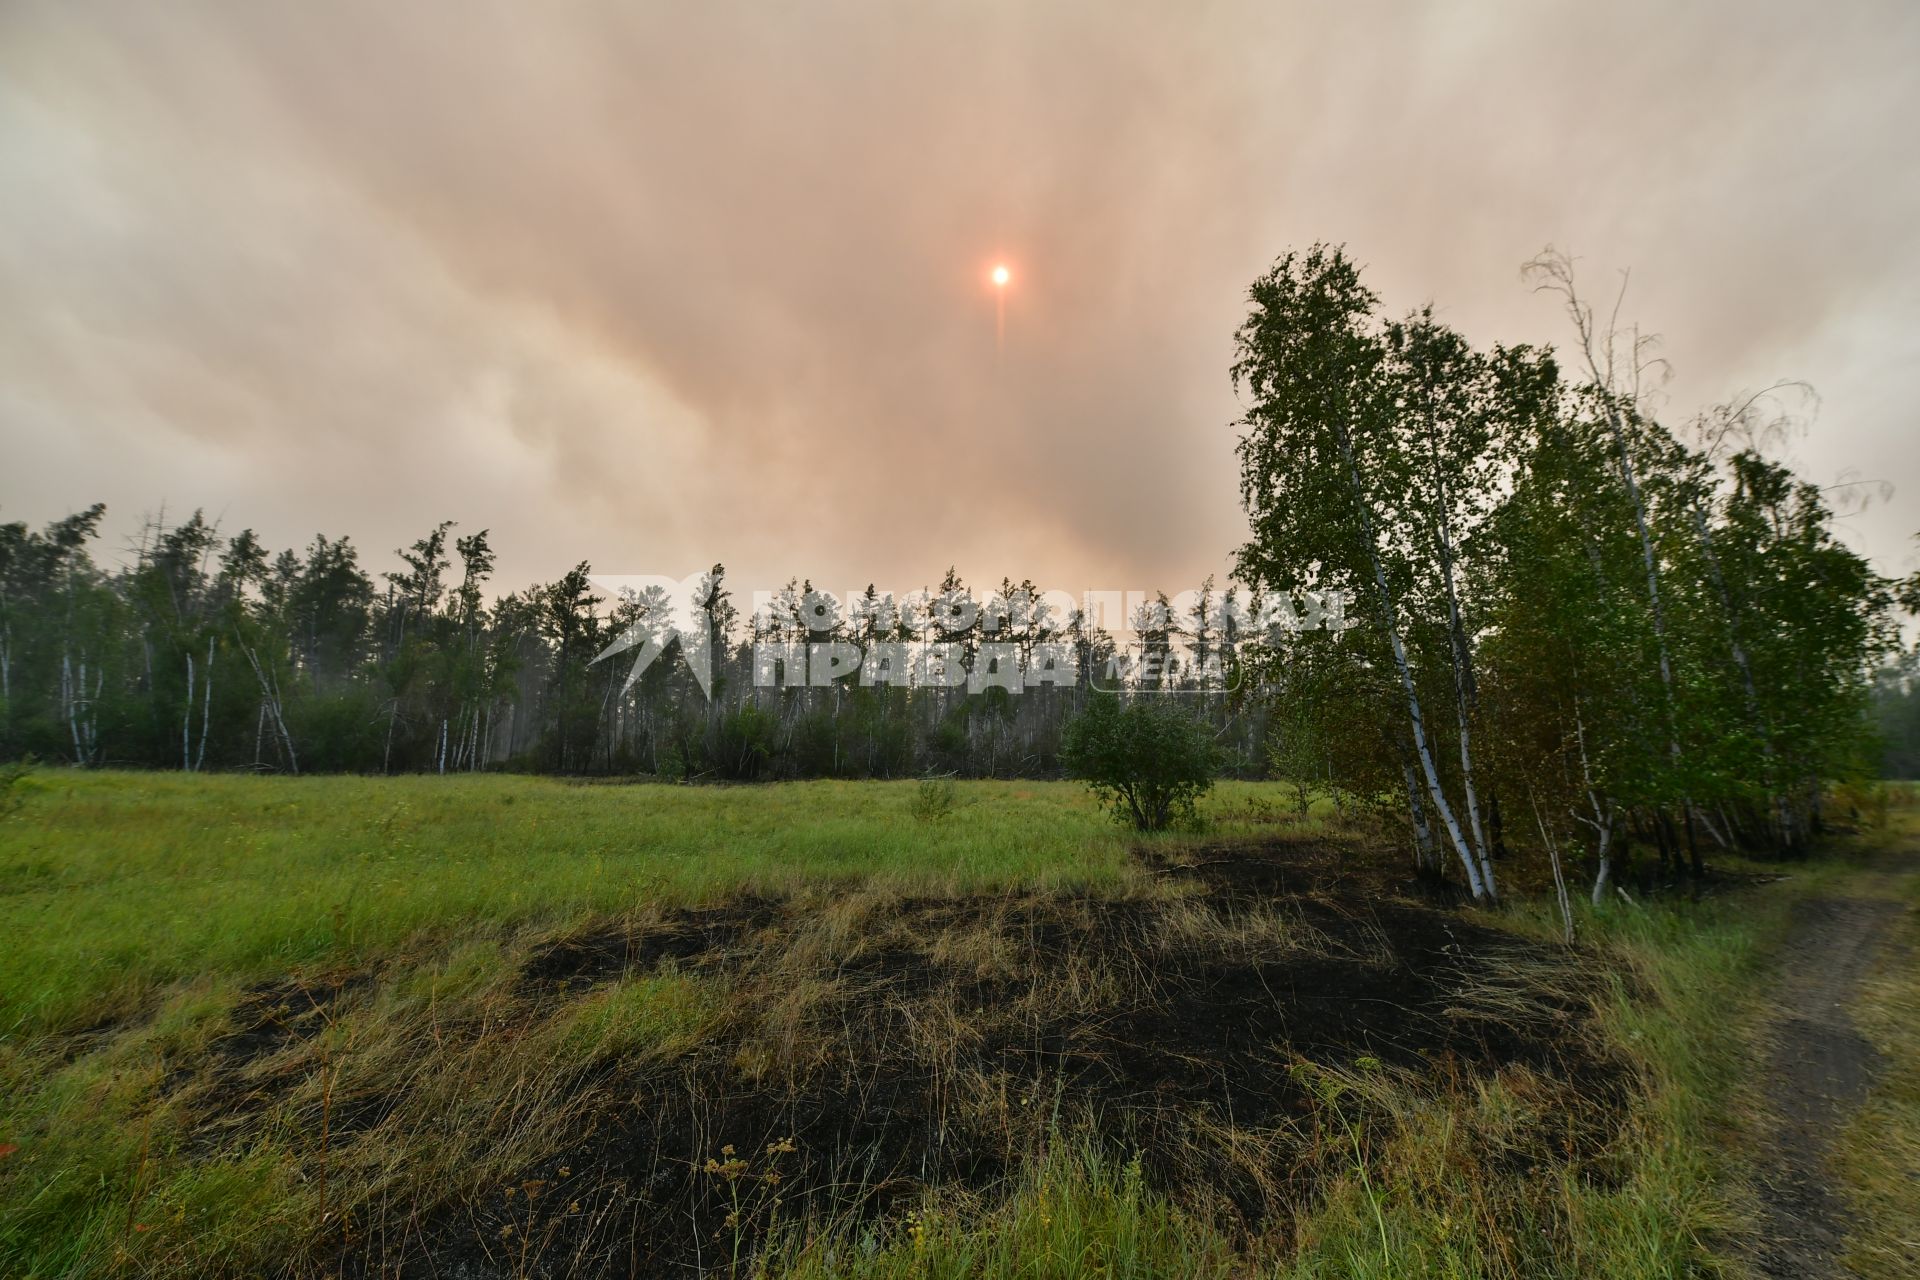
(12, 793)
(1148, 761)
(933, 799)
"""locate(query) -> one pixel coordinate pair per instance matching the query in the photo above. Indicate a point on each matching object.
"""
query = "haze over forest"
(658, 288)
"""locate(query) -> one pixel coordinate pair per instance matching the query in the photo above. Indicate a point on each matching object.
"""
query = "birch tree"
(1320, 474)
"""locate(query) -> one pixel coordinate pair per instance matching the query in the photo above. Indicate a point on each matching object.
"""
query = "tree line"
(205, 651)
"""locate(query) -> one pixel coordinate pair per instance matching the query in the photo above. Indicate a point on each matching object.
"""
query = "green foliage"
(1564, 604)
(745, 744)
(13, 785)
(1896, 711)
(209, 653)
(1148, 761)
(933, 799)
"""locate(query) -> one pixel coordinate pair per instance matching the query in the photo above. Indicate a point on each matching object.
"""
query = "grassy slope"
(139, 908)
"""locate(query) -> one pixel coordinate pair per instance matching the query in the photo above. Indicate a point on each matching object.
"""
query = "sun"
(1001, 275)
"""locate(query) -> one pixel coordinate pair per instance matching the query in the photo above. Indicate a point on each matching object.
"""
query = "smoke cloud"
(656, 285)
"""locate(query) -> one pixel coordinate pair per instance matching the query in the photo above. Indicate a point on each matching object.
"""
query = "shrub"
(1147, 762)
(12, 793)
(933, 799)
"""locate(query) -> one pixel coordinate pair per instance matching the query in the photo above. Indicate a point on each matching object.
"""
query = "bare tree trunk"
(1603, 814)
(206, 710)
(1559, 879)
(1605, 872)
(1464, 693)
(270, 700)
(1480, 886)
(186, 723)
(67, 697)
(1707, 822)
(286, 734)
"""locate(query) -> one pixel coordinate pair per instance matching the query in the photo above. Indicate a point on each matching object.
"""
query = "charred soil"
(873, 1050)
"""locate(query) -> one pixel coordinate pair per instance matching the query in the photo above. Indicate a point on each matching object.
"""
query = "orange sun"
(1000, 276)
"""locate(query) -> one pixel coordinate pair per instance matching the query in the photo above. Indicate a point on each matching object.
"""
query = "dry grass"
(1237, 1061)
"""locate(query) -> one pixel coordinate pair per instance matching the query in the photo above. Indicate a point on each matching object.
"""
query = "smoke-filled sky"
(654, 285)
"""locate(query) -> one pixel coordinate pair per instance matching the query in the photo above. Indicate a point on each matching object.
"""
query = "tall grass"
(1075, 1213)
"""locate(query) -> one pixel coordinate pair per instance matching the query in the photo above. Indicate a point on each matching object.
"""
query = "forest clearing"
(977, 640)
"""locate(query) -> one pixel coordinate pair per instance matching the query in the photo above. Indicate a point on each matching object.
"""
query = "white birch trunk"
(1479, 887)
(186, 723)
(206, 709)
(1463, 684)
(68, 699)
(1424, 853)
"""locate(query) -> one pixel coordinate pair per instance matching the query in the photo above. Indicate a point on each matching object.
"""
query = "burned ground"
(1214, 1022)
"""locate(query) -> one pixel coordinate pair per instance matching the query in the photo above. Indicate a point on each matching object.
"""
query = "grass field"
(118, 883)
(511, 1026)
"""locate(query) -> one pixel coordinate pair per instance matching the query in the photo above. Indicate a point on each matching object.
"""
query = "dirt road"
(1820, 1068)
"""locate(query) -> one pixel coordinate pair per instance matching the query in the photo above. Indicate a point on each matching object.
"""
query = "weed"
(13, 785)
(933, 799)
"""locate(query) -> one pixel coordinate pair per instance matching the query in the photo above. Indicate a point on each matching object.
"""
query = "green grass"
(113, 884)
(142, 909)
(1074, 1213)
(655, 1014)
(117, 883)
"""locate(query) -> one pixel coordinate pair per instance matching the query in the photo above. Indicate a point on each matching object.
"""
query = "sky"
(659, 285)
